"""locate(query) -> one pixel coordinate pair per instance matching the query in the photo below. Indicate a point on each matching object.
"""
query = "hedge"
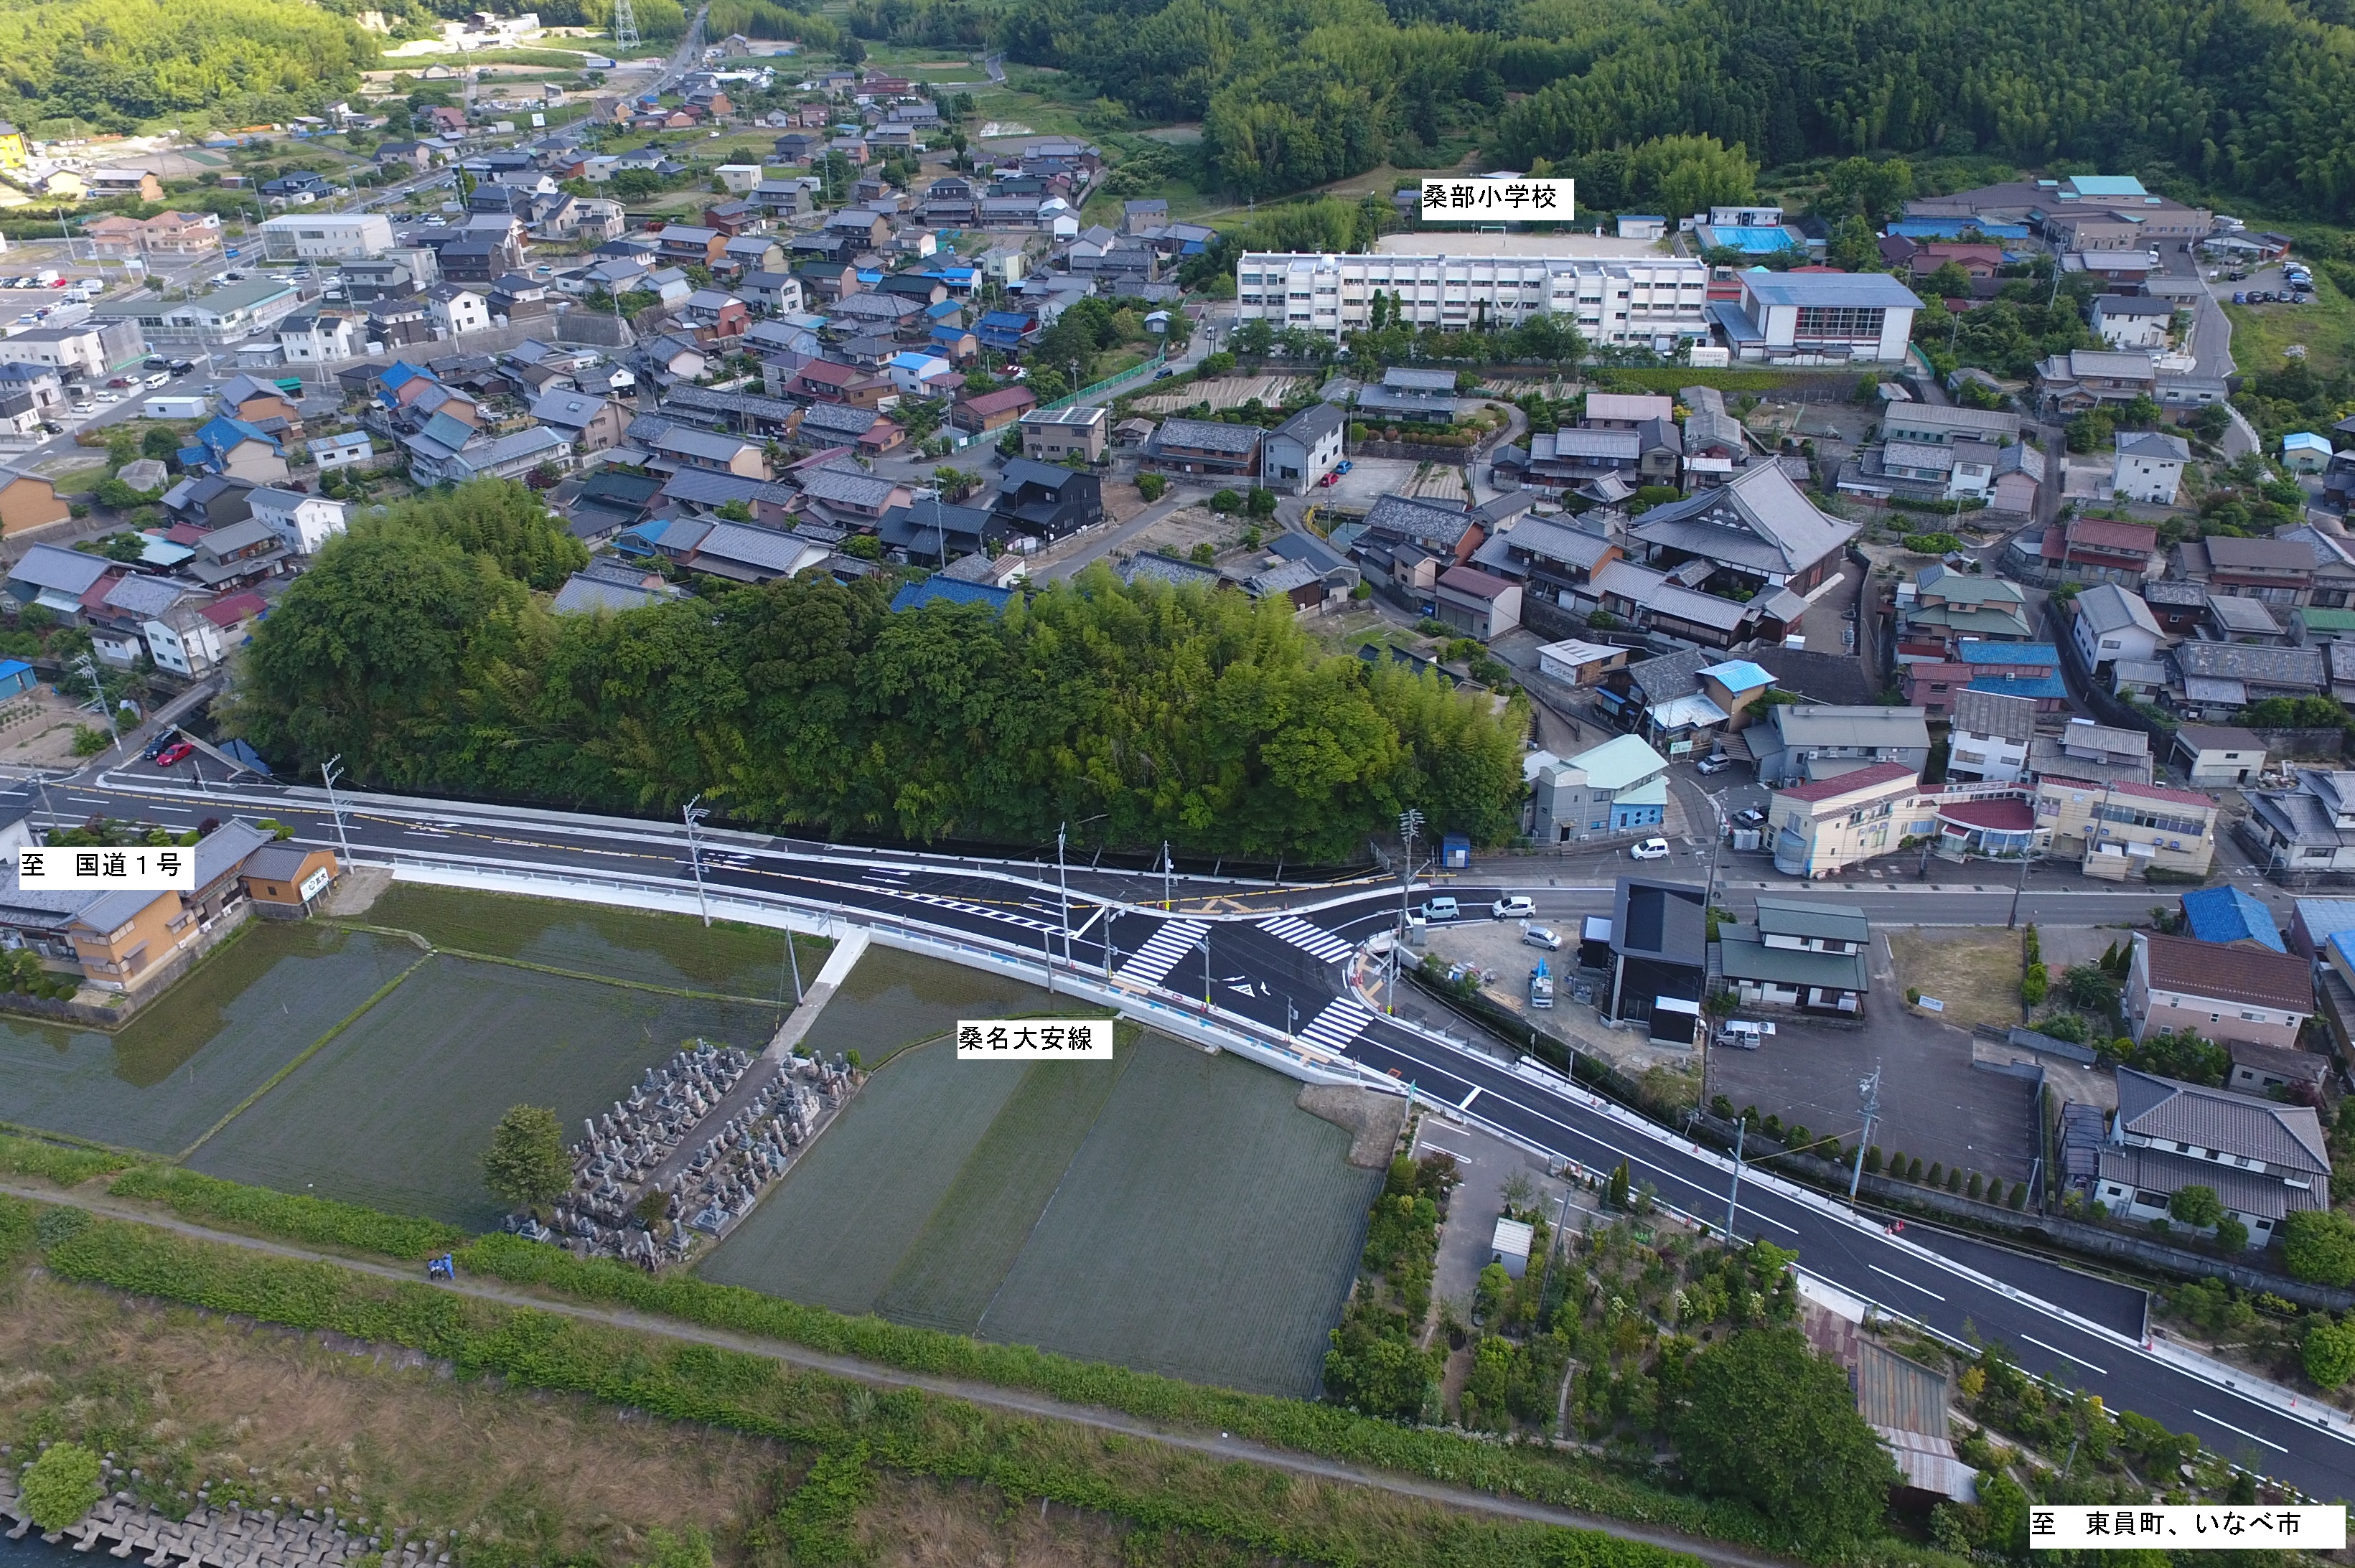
(321, 1222)
(67, 1165)
(1154, 1487)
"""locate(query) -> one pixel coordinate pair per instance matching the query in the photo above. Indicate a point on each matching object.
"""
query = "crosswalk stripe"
(1172, 941)
(1313, 939)
(1342, 1021)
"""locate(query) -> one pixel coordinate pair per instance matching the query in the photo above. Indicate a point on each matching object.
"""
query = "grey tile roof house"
(2266, 1160)
(1804, 742)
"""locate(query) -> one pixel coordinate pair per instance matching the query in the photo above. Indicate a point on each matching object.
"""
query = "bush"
(1152, 486)
(2231, 1234)
(2033, 988)
(1226, 500)
(2330, 1353)
(1932, 544)
(2319, 1245)
(2196, 1206)
(318, 1220)
(68, 1167)
(60, 1486)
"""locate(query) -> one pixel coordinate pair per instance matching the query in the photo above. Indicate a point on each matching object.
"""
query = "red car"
(179, 751)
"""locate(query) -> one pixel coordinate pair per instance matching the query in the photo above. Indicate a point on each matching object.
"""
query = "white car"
(85, 406)
(110, 396)
(1541, 936)
(1713, 764)
(1649, 849)
(1513, 907)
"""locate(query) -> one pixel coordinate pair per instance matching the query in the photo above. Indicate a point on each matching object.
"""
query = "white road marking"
(2067, 1356)
(2241, 1430)
(1902, 1280)
(1466, 1104)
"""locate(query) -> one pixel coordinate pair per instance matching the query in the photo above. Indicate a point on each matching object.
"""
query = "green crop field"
(970, 1245)
(1208, 1230)
(586, 939)
(214, 1038)
(396, 1112)
(838, 1228)
(1169, 1210)
(903, 998)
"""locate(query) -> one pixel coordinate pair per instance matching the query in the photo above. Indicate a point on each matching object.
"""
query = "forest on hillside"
(112, 65)
(2254, 98)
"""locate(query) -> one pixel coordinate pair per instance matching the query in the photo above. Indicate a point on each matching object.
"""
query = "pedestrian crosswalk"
(1161, 951)
(1314, 939)
(1342, 1021)
(987, 912)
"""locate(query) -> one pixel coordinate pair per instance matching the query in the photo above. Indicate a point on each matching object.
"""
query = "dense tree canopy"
(116, 63)
(2255, 96)
(413, 651)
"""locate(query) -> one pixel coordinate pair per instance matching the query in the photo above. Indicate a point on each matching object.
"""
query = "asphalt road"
(1239, 950)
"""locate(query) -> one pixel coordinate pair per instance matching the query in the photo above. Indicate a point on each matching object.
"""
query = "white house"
(918, 375)
(183, 642)
(1991, 736)
(1302, 450)
(2113, 624)
(2149, 466)
(304, 522)
(326, 236)
(458, 311)
(2133, 320)
(324, 338)
(343, 450)
(1819, 317)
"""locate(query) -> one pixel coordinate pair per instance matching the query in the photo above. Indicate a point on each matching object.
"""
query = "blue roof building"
(1007, 329)
(2017, 670)
(2227, 915)
(940, 591)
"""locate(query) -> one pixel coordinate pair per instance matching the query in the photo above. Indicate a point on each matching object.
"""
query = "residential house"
(2133, 320)
(2089, 550)
(1946, 607)
(236, 449)
(1053, 435)
(458, 310)
(1659, 957)
(1798, 953)
(848, 497)
(2108, 623)
(2017, 668)
(1822, 827)
(1046, 501)
(936, 530)
(302, 523)
(2149, 466)
(2307, 831)
(2217, 680)
(1203, 447)
(2087, 752)
(1990, 737)
(2086, 378)
(2229, 916)
(57, 579)
(1297, 454)
(1804, 741)
(2242, 993)
(236, 557)
(2279, 571)
(683, 446)
(1619, 788)
(2266, 1160)
(1556, 564)
(591, 424)
(497, 457)
(1759, 528)
(2020, 471)
(2266, 1072)
(348, 449)
(2218, 757)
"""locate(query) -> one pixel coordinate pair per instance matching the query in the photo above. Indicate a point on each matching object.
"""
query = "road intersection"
(1275, 963)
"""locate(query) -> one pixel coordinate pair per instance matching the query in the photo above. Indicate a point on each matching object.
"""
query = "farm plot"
(1227, 392)
(902, 998)
(213, 1039)
(1208, 1230)
(395, 1112)
(966, 1251)
(585, 938)
(836, 1231)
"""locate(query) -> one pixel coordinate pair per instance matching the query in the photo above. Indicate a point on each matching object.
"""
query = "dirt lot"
(1975, 970)
(36, 730)
(1496, 947)
(1191, 526)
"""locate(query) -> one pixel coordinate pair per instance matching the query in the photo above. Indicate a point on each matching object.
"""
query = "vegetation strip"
(1025, 1454)
(1557, 1480)
(608, 979)
(280, 1076)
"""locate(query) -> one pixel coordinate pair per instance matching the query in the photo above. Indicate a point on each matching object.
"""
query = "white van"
(1649, 849)
(1513, 907)
(1442, 908)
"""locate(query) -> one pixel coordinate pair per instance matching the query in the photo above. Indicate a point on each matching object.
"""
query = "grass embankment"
(1151, 1486)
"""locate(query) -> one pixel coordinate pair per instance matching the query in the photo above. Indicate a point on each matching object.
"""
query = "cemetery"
(643, 1161)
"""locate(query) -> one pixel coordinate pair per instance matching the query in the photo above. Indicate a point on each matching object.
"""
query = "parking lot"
(1935, 1103)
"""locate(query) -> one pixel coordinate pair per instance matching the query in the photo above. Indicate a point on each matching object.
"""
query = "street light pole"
(1741, 1130)
(1870, 1090)
(1063, 884)
(694, 812)
(329, 772)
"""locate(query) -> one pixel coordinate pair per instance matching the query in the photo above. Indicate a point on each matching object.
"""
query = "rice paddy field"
(182, 1064)
(396, 1112)
(1167, 1211)
(893, 999)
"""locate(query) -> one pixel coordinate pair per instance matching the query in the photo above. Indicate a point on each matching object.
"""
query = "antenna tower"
(625, 23)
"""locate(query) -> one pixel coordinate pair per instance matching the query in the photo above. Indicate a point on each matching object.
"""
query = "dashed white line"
(1902, 1280)
(2067, 1356)
(2229, 1427)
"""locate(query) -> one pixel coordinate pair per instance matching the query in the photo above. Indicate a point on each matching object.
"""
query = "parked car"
(1343, 466)
(1541, 936)
(1330, 480)
(2240, 298)
(120, 381)
(172, 756)
(1513, 907)
(1752, 818)
(1713, 764)
(1442, 908)
(1649, 849)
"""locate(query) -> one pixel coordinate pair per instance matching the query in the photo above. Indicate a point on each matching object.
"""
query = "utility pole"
(329, 772)
(694, 812)
(2011, 921)
(794, 958)
(97, 698)
(1410, 824)
(1741, 1130)
(1063, 884)
(1165, 904)
(1870, 1090)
